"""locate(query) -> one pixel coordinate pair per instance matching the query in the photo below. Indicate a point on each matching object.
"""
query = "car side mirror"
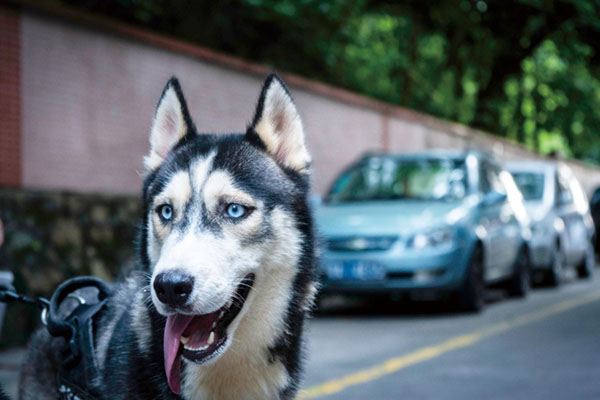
(493, 198)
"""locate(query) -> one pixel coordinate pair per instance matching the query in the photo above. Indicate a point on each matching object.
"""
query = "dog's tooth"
(184, 340)
(196, 348)
(214, 325)
(211, 338)
(222, 313)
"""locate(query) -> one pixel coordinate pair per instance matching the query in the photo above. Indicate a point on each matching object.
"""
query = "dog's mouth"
(200, 338)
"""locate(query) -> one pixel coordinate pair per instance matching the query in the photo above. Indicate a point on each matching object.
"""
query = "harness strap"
(63, 327)
(80, 364)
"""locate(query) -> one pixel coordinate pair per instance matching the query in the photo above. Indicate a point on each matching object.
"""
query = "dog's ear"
(170, 124)
(278, 127)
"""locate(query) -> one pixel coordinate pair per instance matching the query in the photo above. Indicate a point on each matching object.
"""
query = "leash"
(78, 375)
(8, 294)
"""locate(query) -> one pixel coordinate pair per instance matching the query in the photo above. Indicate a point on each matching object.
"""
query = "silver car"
(562, 227)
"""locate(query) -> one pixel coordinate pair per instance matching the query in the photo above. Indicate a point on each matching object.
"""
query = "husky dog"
(227, 242)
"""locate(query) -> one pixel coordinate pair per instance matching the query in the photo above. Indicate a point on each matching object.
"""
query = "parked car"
(562, 227)
(595, 211)
(437, 223)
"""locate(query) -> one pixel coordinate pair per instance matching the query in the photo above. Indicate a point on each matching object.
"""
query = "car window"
(386, 178)
(531, 184)
(563, 195)
(596, 197)
(490, 178)
(514, 196)
(493, 177)
(484, 183)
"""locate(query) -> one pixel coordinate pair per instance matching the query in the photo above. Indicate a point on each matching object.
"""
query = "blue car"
(434, 224)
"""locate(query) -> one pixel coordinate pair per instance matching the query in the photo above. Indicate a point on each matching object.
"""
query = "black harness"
(78, 376)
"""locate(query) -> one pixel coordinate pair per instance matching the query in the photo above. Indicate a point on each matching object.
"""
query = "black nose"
(173, 287)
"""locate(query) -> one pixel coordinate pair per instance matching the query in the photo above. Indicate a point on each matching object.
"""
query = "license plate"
(355, 270)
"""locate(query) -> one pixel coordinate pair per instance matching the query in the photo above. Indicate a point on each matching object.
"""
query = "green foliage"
(524, 69)
(552, 105)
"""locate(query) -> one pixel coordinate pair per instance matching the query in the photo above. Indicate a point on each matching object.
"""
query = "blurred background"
(456, 149)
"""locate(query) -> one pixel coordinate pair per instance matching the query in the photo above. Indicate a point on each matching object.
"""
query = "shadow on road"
(405, 307)
(385, 306)
(382, 307)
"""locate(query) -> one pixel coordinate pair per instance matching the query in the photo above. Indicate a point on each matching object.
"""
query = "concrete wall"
(88, 96)
(88, 101)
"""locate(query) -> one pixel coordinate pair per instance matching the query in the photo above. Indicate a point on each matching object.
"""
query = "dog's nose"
(173, 288)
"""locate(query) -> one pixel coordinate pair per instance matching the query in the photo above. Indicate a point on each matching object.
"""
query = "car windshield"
(386, 178)
(531, 184)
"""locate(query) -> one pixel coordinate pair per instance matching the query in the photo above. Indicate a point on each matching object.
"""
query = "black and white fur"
(267, 167)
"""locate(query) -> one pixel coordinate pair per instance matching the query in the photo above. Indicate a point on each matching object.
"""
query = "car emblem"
(358, 244)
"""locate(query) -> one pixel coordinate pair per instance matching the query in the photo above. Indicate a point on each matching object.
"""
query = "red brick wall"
(10, 98)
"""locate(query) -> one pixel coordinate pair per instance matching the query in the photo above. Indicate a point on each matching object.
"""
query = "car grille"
(430, 274)
(400, 275)
(361, 243)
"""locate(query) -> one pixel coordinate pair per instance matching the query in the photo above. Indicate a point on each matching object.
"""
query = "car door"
(574, 236)
(508, 237)
(493, 216)
(514, 219)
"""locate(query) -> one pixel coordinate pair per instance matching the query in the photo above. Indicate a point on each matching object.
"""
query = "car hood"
(382, 218)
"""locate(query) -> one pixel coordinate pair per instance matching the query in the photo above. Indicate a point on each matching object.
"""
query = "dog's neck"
(247, 369)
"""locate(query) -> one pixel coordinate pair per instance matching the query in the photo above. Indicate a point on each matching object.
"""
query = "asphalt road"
(544, 347)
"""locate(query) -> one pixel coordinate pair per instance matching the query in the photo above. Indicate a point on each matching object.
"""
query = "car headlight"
(434, 238)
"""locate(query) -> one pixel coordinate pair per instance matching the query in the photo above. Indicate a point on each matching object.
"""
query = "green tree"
(524, 69)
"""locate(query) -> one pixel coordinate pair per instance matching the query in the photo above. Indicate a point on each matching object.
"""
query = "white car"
(561, 225)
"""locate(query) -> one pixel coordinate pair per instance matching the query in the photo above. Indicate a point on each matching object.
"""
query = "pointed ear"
(278, 127)
(170, 124)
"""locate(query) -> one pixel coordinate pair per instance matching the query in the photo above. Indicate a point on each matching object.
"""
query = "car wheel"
(471, 294)
(585, 268)
(520, 283)
(555, 274)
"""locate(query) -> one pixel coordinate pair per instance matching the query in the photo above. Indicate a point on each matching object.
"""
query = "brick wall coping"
(145, 36)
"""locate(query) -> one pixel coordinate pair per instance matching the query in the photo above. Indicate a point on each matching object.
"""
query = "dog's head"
(221, 214)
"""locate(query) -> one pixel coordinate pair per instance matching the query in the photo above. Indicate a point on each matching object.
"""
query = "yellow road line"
(395, 364)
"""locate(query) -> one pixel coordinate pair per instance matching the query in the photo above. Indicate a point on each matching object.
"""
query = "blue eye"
(165, 211)
(235, 210)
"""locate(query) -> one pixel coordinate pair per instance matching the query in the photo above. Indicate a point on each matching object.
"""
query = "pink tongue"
(174, 328)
